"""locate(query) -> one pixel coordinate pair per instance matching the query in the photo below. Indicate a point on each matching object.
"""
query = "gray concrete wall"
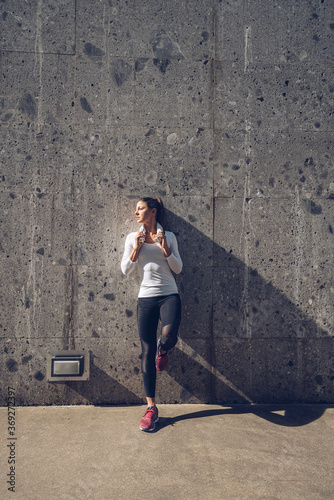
(225, 109)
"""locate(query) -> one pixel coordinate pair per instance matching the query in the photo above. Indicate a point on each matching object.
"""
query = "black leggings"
(167, 308)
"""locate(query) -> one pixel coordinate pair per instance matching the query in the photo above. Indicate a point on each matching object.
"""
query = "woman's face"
(144, 215)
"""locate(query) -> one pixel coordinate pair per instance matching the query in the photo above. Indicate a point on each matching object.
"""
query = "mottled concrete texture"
(225, 109)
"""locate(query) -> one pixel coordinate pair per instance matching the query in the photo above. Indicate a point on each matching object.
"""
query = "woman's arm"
(131, 251)
(174, 259)
(128, 264)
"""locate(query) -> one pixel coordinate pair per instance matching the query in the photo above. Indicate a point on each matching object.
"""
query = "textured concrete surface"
(225, 109)
(197, 451)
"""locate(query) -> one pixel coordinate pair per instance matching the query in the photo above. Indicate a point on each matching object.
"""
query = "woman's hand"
(163, 244)
(139, 236)
(138, 244)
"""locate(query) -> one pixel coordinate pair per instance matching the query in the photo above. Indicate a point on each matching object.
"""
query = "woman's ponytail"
(161, 217)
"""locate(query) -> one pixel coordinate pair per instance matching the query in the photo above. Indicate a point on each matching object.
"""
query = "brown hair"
(159, 206)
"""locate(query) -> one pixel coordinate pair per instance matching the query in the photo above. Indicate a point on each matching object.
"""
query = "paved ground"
(197, 452)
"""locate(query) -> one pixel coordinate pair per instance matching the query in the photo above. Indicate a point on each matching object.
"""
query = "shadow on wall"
(102, 384)
(285, 359)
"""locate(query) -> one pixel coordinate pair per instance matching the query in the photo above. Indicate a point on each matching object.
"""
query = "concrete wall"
(225, 109)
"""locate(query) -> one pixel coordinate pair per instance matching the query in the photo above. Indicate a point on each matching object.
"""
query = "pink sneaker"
(149, 419)
(161, 360)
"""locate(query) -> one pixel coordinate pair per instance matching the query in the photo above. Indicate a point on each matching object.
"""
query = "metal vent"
(68, 365)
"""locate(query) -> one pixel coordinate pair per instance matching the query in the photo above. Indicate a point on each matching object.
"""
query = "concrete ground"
(196, 452)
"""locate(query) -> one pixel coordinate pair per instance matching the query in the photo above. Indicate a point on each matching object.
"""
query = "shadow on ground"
(293, 415)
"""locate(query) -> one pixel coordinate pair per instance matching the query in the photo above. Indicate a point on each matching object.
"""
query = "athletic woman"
(154, 253)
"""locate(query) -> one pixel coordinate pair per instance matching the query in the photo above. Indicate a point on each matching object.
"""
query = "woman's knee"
(168, 337)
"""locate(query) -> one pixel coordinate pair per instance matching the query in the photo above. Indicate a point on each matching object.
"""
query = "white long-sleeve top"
(153, 267)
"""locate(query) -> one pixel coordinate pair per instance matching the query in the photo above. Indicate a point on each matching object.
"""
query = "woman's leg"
(147, 318)
(170, 315)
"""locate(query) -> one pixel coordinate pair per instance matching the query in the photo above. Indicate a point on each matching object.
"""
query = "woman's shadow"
(293, 415)
(285, 361)
(275, 373)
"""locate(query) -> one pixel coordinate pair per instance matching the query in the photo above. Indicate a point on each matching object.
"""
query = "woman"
(158, 296)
